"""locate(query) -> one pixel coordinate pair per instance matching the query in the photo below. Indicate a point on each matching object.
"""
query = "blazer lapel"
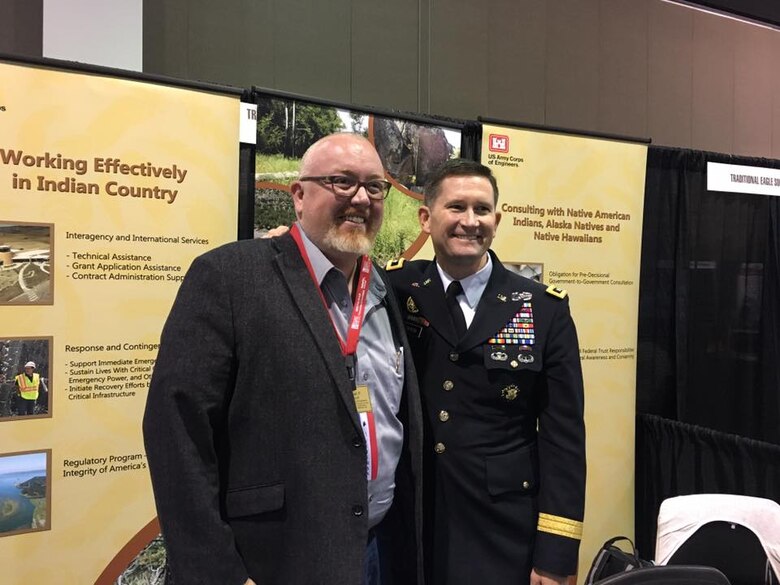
(303, 293)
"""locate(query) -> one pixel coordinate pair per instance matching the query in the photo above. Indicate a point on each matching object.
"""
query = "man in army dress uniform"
(499, 369)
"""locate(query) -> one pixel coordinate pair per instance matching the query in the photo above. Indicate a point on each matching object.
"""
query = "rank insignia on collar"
(395, 264)
(501, 297)
(510, 392)
(411, 306)
(556, 292)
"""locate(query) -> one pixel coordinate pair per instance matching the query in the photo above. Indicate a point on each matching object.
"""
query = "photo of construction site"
(25, 263)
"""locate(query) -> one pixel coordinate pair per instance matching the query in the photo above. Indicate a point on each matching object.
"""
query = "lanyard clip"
(350, 359)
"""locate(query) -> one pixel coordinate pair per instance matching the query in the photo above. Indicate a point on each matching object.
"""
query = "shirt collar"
(473, 285)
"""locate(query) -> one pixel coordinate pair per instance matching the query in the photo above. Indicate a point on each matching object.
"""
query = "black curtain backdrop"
(708, 359)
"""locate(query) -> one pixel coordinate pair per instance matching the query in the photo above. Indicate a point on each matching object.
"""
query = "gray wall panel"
(21, 27)
(670, 74)
(572, 75)
(385, 54)
(165, 38)
(648, 68)
(313, 48)
(775, 152)
(458, 61)
(753, 57)
(713, 83)
(516, 60)
(424, 51)
(623, 67)
(231, 42)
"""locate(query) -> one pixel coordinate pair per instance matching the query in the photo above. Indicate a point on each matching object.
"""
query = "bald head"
(333, 143)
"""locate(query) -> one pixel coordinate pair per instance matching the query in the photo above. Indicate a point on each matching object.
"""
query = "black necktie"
(451, 296)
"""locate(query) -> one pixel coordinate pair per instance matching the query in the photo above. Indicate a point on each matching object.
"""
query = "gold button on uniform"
(444, 416)
(454, 356)
(448, 385)
(439, 448)
(526, 485)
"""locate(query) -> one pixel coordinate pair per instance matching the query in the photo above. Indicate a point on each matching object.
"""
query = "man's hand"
(279, 230)
(539, 577)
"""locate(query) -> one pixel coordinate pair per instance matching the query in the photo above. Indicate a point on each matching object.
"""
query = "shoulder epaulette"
(395, 264)
(556, 292)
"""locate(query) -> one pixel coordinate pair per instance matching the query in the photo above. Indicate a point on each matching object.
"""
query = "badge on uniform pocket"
(511, 357)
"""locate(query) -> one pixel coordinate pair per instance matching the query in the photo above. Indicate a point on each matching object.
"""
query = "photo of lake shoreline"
(23, 493)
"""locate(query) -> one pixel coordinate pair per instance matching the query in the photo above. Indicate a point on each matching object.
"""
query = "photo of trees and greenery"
(409, 151)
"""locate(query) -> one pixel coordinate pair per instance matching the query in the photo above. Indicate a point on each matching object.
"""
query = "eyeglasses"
(346, 186)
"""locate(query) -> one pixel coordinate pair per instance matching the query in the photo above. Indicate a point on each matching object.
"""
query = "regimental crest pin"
(426, 282)
(501, 297)
(510, 392)
(416, 284)
(411, 306)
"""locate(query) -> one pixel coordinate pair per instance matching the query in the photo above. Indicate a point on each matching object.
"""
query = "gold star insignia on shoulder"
(395, 264)
(556, 292)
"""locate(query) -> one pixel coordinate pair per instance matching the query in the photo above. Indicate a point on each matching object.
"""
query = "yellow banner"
(572, 217)
(109, 189)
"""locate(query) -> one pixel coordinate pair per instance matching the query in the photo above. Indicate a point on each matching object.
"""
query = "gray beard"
(354, 244)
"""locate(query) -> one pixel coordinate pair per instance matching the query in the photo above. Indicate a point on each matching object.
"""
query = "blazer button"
(448, 385)
(356, 442)
(454, 356)
(439, 448)
(444, 416)
(526, 485)
(357, 510)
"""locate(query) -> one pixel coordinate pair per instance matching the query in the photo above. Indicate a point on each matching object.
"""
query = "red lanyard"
(359, 306)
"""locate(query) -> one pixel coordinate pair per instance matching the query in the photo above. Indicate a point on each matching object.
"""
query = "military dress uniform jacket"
(254, 443)
(505, 445)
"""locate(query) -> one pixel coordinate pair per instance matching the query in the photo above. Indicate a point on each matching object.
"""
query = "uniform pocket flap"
(254, 500)
(513, 472)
